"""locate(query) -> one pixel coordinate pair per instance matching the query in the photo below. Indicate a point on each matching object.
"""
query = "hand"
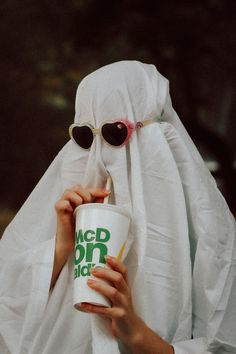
(65, 207)
(126, 325)
(65, 234)
(123, 317)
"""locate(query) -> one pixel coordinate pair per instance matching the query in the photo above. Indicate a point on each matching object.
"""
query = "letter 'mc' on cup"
(101, 229)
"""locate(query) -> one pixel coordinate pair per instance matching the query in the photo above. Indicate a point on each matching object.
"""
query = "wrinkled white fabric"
(187, 347)
(182, 261)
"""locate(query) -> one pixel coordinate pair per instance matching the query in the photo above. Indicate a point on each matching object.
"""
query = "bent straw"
(108, 187)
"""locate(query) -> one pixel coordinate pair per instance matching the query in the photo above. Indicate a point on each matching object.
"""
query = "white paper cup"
(101, 229)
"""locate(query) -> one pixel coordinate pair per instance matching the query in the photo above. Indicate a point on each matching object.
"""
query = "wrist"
(63, 250)
(146, 341)
(64, 239)
(61, 255)
(136, 337)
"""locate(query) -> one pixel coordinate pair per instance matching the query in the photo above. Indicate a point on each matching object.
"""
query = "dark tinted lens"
(115, 133)
(83, 136)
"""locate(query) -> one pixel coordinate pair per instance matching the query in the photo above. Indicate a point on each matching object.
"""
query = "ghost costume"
(182, 262)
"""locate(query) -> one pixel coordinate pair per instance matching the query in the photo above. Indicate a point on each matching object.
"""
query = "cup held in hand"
(101, 229)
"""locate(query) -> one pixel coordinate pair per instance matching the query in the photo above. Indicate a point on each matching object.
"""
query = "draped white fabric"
(182, 261)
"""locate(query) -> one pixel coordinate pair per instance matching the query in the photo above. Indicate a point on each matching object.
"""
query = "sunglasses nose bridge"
(96, 131)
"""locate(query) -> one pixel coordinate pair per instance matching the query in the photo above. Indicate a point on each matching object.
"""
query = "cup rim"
(114, 207)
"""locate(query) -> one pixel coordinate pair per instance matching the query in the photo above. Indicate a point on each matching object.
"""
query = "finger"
(63, 206)
(107, 290)
(100, 310)
(89, 194)
(118, 266)
(83, 193)
(99, 200)
(99, 192)
(109, 312)
(72, 197)
(111, 276)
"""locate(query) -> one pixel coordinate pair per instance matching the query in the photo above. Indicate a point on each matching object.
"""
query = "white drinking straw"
(108, 187)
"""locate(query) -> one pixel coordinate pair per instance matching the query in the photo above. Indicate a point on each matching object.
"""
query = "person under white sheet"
(175, 291)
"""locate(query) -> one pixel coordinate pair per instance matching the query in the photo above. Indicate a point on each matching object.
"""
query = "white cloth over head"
(182, 263)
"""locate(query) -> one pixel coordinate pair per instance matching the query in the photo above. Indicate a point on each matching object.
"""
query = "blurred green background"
(48, 46)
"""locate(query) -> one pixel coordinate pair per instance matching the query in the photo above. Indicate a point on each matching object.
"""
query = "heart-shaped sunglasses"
(116, 133)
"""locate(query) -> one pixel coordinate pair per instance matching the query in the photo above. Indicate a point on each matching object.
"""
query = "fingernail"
(84, 306)
(107, 258)
(93, 270)
(90, 281)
